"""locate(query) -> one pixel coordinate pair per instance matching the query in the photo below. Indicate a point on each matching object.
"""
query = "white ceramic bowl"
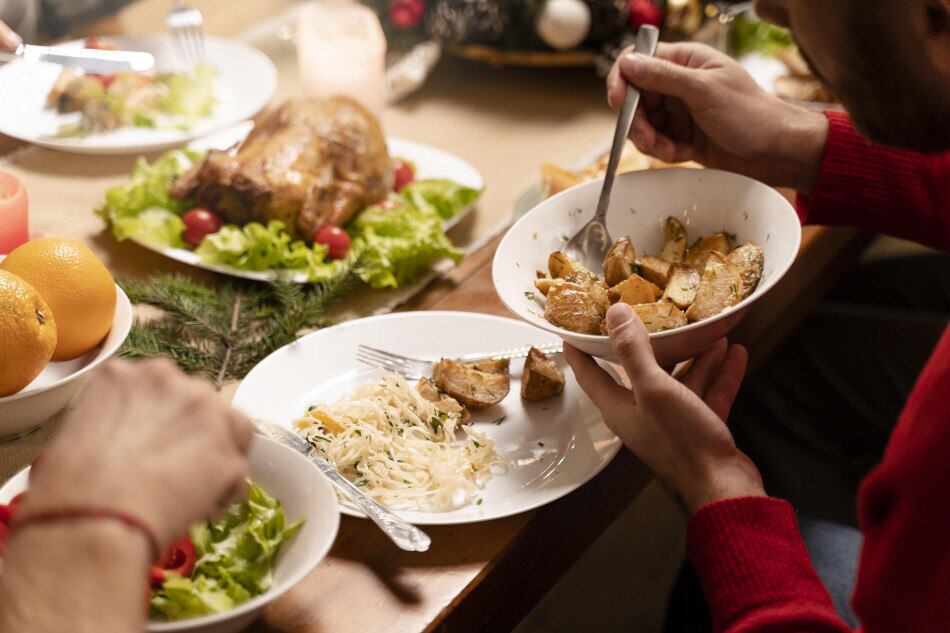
(705, 201)
(303, 491)
(52, 390)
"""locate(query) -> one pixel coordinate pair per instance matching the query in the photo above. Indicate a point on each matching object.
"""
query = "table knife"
(402, 533)
(89, 59)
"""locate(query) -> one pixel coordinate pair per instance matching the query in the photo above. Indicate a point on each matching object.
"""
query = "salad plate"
(549, 448)
(243, 80)
(431, 164)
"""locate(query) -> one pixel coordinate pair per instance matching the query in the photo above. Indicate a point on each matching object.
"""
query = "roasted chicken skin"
(309, 163)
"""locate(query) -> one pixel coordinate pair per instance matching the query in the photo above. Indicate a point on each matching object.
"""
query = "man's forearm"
(77, 576)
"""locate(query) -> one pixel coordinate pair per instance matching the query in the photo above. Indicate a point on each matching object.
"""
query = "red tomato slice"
(179, 559)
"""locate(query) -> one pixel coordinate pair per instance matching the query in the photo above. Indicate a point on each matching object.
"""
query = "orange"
(75, 284)
(27, 333)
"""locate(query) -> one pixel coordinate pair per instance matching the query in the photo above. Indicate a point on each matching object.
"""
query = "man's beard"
(890, 103)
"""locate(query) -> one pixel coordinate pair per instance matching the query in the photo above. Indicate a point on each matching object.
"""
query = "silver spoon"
(589, 246)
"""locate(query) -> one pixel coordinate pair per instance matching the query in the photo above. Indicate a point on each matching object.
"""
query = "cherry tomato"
(99, 43)
(336, 239)
(200, 222)
(105, 80)
(17, 500)
(403, 174)
(4, 531)
(179, 559)
(6, 514)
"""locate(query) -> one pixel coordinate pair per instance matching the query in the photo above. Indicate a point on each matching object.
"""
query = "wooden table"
(486, 577)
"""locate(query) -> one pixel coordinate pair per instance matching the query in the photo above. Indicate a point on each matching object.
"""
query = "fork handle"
(513, 352)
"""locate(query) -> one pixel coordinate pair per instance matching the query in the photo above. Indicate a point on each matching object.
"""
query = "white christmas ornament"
(563, 24)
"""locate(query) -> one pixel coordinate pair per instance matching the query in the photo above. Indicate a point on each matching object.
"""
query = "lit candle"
(341, 49)
(14, 227)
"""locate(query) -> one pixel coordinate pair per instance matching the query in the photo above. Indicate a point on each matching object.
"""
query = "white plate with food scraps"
(550, 448)
(244, 81)
(430, 163)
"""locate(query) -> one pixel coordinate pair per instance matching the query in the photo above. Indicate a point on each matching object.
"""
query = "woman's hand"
(9, 40)
(699, 104)
(148, 440)
(676, 428)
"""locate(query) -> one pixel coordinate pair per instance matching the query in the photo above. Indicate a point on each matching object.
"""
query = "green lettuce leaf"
(399, 244)
(443, 197)
(749, 36)
(258, 247)
(149, 187)
(236, 557)
(188, 95)
(156, 226)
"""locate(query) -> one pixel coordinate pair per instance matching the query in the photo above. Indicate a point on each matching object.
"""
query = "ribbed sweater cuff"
(748, 553)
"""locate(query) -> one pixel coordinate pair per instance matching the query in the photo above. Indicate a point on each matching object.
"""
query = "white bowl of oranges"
(61, 315)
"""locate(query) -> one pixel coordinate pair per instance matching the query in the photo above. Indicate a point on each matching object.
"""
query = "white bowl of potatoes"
(703, 246)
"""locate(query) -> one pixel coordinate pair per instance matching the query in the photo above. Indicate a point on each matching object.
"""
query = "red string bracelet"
(95, 514)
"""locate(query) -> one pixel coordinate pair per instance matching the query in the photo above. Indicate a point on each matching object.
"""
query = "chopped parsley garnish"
(478, 501)
(541, 444)
(475, 442)
(530, 296)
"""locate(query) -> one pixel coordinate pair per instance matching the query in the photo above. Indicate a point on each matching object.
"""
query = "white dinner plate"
(551, 447)
(244, 82)
(430, 163)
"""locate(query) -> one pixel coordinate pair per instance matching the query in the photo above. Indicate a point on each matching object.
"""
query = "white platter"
(430, 163)
(551, 447)
(244, 83)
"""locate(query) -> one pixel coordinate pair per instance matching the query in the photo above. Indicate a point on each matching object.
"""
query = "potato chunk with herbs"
(573, 307)
(542, 378)
(674, 236)
(561, 266)
(633, 290)
(718, 289)
(681, 288)
(749, 260)
(618, 265)
(660, 316)
(654, 270)
(697, 253)
(473, 388)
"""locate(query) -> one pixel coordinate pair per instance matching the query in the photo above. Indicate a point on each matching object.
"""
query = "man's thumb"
(663, 77)
(631, 342)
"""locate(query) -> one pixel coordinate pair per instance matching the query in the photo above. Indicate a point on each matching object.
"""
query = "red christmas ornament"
(644, 12)
(406, 14)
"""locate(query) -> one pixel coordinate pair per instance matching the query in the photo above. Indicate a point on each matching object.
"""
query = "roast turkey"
(309, 163)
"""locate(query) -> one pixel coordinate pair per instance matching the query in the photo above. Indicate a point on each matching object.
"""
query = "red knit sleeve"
(892, 191)
(755, 570)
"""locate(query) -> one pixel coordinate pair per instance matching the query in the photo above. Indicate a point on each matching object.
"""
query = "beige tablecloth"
(504, 121)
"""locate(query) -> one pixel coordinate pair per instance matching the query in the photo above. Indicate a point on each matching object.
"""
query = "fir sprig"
(223, 332)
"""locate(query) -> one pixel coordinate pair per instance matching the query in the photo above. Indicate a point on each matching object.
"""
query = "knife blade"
(402, 533)
(89, 59)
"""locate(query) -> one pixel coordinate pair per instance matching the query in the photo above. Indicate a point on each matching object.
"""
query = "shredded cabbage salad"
(402, 450)
(236, 555)
(392, 246)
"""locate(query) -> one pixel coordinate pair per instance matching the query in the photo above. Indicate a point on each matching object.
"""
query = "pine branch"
(223, 332)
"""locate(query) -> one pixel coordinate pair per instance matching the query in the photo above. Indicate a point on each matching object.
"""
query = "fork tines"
(409, 368)
(185, 25)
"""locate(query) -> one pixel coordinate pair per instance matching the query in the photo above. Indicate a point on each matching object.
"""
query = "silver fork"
(590, 244)
(416, 368)
(185, 25)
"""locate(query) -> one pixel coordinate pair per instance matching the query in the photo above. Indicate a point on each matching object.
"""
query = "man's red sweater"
(748, 553)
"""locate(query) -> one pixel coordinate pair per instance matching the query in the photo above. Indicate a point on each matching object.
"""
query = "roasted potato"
(542, 378)
(494, 366)
(655, 270)
(633, 290)
(561, 266)
(428, 390)
(574, 308)
(659, 316)
(681, 288)
(618, 265)
(544, 285)
(442, 402)
(718, 288)
(674, 236)
(473, 388)
(697, 253)
(749, 260)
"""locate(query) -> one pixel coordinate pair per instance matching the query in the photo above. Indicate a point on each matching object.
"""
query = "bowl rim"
(275, 592)
(123, 319)
(760, 290)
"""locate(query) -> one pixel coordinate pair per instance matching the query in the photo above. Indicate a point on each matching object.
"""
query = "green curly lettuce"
(235, 560)
(149, 187)
(748, 36)
(189, 96)
(443, 197)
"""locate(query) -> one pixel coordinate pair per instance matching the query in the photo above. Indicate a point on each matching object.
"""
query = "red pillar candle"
(14, 225)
